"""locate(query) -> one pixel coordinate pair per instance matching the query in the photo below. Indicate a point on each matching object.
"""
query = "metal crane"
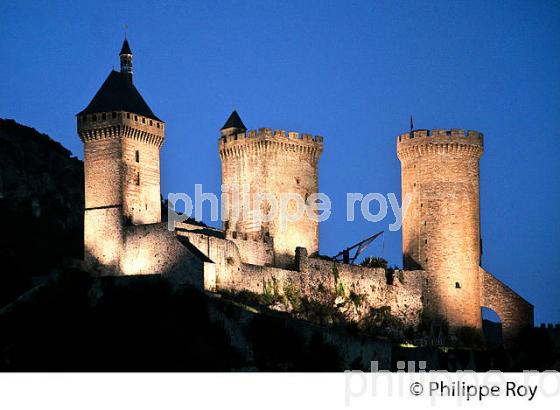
(344, 255)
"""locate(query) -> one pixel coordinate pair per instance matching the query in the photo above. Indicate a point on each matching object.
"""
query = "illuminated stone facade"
(441, 228)
(124, 235)
(278, 163)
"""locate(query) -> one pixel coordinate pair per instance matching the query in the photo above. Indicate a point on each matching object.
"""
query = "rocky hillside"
(77, 323)
(41, 207)
(74, 322)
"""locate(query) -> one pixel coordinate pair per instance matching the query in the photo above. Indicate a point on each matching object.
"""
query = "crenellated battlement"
(266, 138)
(275, 162)
(423, 142)
(438, 132)
(120, 124)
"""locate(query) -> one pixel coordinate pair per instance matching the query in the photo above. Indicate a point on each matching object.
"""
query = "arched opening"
(491, 327)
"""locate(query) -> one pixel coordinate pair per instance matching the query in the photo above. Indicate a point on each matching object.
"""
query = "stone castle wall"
(103, 239)
(273, 162)
(317, 279)
(253, 249)
(153, 249)
(210, 242)
(441, 227)
(515, 313)
(312, 278)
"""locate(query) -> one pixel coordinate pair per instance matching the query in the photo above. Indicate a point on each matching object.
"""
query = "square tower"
(122, 140)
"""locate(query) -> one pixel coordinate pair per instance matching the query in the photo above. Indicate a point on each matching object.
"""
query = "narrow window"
(103, 116)
(135, 118)
(138, 178)
(457, 285)
(128, 115)
(143, 120)
(114, 114)
(137, 156)
(151, 123)
(425, 241)
(158, 124)
(94, 117)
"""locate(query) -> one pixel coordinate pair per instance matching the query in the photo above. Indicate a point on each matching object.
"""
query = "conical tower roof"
(125, 49)
(234, 121)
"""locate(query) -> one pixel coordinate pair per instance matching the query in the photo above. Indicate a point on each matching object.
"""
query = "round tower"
(441, 227)
(276, 163)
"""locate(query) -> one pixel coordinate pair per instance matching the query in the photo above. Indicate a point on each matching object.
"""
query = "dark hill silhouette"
(77, 323)
(74, 322)
(41, 207)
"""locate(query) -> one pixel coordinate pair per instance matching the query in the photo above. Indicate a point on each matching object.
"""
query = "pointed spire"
(126, 58)
(234, 121)
(125, 49)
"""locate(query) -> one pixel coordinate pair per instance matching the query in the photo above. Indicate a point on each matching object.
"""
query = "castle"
(441, 280)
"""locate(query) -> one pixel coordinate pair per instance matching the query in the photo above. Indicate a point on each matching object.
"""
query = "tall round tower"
(441, 227)
(266, 162)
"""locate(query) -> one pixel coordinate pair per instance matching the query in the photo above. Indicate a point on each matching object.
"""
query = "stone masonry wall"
(316, 278)
(441, 227)
(103, 173)
(103, 205)
(313, 278)
(152, 249)
(272, 163)
(103, 240)
(210, 242)
(142, 202)
(515, 312)
(118, 188)
(252, 249)
(227, 249)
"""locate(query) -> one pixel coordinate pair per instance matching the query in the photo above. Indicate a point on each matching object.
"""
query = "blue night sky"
(350, 71)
